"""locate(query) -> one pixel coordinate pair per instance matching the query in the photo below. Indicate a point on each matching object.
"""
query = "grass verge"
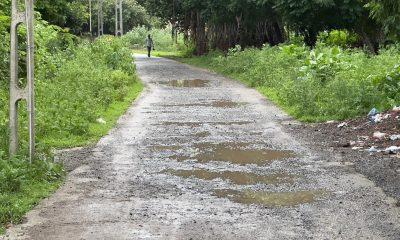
(98, 130)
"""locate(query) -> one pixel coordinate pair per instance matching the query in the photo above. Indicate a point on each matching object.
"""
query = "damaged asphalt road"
(199, 156)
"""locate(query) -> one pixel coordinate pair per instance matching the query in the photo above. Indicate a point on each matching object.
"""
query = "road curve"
(199, 156)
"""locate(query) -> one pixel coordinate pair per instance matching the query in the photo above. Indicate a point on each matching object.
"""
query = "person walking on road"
(150, 45)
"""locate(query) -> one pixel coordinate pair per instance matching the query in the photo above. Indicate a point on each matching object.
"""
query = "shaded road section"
(199, 156)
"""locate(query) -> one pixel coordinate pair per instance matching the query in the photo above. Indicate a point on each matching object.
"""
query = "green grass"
(23, 185)
(15, 205)
(98, 130)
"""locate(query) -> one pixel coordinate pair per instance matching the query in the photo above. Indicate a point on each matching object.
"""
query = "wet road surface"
(199, 156)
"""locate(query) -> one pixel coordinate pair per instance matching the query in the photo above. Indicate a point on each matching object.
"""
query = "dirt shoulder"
(354, 140)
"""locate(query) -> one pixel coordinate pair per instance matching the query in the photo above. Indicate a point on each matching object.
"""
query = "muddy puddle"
(239, 178)
(270, 199)
(215, 104)
(235, 153)
(199, 124)
(202, 134)
(195, 83)
(239, 153)
(160, 148)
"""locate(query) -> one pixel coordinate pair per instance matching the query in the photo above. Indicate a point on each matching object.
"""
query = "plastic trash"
(392, 150)
(394, 137)
(396, 109)
(373, 149)
(387, 116)
(379, 135)
(373, 112)
(343, 124)
(101, 121)
(372, 115)
(377, 118)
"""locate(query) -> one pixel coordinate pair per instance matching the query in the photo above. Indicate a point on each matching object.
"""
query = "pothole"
(202, 134)
(199, 124)
(239, 153)
(160, 148)
(195, 83)
(235, 153)
(215, 104)
(270, 199)
(239, 178)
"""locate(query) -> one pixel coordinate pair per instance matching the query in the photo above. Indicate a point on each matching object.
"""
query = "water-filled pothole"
(195, 83)
(239, 153)
(160, 148)
(202, 134)
(215, 104)
(199, 124)
(236, 153)
(271, 199)
(240, 178)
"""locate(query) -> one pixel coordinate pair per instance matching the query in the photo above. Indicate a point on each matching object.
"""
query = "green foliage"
(389, 85)
(18, 171)
(315, 85)
(134, 15)
(162, 39)
(64, 13)
(22, 185)
(388, 13)
(74, 15)
(341, 38)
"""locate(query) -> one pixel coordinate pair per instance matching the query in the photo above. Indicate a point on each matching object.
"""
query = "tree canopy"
(224, 24)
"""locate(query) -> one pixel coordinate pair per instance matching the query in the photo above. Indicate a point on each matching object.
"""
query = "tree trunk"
(200, 36)
(310, 37)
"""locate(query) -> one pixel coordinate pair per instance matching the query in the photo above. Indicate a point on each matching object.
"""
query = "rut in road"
(199, 156)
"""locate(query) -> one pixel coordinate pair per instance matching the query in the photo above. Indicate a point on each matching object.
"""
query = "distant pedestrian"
(150, 45)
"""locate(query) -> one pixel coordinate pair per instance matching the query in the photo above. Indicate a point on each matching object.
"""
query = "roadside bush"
(70, 102)
(389, 85)
(341, 38)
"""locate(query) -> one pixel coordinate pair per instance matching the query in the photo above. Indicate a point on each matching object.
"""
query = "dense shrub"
(315, 85)
(342, 38)
(75, 82)
(74, 97)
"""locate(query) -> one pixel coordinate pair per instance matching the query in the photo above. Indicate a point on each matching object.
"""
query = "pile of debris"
(378, 133)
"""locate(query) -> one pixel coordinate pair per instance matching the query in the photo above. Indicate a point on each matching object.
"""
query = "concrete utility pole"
(119, 31)
(16, 93)
(90, 18)
(100, 18)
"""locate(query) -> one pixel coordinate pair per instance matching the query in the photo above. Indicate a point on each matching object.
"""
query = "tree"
(387, 12)
(309, 17)
(223, 24)
(133, 15)
(69, 14)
